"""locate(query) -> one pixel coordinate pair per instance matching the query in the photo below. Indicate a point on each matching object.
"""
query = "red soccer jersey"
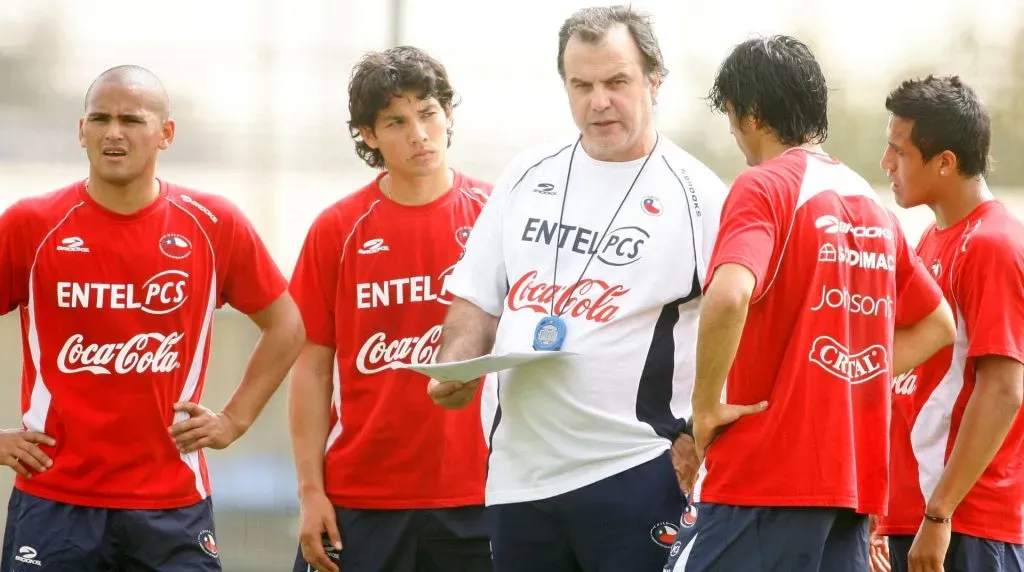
(979, 263)
(116, 313)
(370, 282)
(830, 262)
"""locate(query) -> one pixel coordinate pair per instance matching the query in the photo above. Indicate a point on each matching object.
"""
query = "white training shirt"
(565, 423)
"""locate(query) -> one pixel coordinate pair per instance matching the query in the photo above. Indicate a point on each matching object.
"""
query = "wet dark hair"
(947, 116)
(591, 25)
(379, 77)
(776, 81)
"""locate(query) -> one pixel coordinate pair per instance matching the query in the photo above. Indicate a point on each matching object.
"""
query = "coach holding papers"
(566, 253)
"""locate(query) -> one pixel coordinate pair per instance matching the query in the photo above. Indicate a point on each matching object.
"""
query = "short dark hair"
(947, 115)
(776, 81)
(591, 25)
(380, 76)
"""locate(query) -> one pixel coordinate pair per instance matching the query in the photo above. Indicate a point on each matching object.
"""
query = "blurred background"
(258, 89)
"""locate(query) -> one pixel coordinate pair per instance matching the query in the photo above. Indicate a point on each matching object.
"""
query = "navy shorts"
(423, 540)
(965, 554)
(47, 536)
(623, 523)
(726, 538)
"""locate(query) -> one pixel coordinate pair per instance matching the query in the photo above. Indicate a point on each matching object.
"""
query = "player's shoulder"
(537, 158)
(346, 212)
(471, 193)
(474, 187)
(688, 168)
(785, 171)
(206, 207)
(45, 208)
(994, 232)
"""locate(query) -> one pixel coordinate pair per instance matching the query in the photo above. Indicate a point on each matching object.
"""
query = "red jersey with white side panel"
(371, 283)
(979, 263)
(830, 263)
(116, 316)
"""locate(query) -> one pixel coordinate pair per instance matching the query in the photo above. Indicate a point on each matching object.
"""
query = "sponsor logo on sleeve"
(199, 206)
(833, 225)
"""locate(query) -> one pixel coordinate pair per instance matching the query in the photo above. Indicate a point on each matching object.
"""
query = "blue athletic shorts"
(47, 536)
(422, 540)
(726, 538)
(624, 523)
(965, 554)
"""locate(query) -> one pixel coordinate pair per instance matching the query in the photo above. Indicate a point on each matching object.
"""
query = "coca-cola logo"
(379, 353)
(856, 368)
(590, 299)
(904, 384)
(143, 353)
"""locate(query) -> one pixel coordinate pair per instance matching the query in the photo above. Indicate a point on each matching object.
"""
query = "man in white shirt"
(597, 245)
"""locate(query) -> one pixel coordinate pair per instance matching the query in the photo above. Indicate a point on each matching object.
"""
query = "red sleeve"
(917, 293)
(315, 279)
(252, 280)
(748, 229)
(989, 290)
(15, 259)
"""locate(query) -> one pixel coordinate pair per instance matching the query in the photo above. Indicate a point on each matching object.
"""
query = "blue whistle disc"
(549, 335)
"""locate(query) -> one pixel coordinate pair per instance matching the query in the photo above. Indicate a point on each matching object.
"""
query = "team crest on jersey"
(175, 246)
(462, 235)
(689, 517)
(936, 268)
(208, 543)
(664, 534)
(652, 206)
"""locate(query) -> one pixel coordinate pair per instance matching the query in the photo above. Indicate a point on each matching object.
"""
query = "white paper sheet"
(471, 369)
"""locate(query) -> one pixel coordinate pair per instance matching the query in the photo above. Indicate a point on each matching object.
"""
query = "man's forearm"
(468, 332)
(914, 344)
(988, 417)
(273, 356)
(719, 333)
(309, 417)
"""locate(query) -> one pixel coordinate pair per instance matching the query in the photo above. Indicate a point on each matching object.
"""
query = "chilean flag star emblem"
(175, 246)
(652, 206)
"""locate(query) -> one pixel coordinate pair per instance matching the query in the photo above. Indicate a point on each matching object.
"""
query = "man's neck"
(124, 199)
(415, 191)
(643, 148)
(772, 148)
(959, 200)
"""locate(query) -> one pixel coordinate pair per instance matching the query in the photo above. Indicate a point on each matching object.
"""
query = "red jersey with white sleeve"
(116, 315)
(979, 263)
(371, 282)
(830, 261)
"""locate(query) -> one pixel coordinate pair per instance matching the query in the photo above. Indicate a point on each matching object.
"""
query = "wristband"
(937, 519)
